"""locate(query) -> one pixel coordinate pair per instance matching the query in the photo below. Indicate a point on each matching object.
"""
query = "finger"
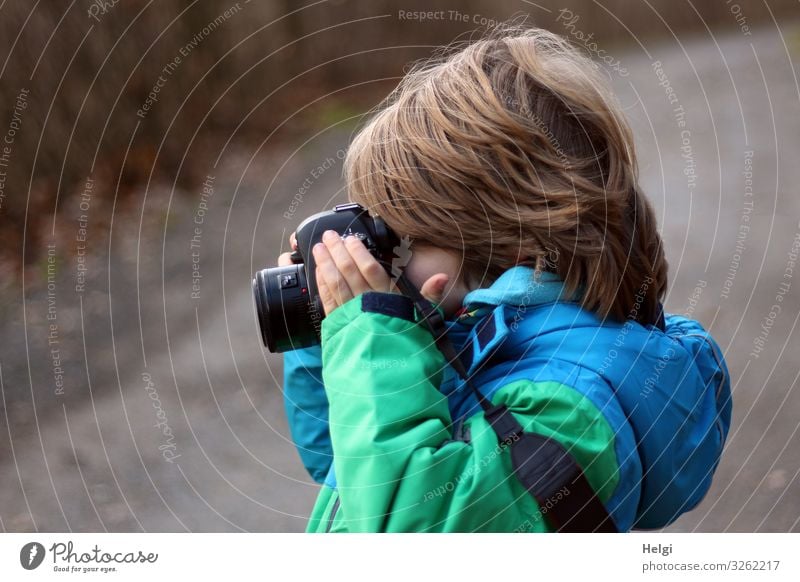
(345, 263)
(333, 278)
(293, 241)
(369, 268)
(325, 295)
(285, 260)
(433, 289)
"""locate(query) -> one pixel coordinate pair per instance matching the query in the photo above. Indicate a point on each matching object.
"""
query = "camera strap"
(546, 469)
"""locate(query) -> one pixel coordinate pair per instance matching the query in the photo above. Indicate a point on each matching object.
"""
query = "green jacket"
(399, 462)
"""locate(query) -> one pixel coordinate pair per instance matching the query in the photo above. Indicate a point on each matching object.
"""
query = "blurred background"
(155, 154)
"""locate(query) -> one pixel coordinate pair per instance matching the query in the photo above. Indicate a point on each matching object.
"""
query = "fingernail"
(329, 235)
(317, 248)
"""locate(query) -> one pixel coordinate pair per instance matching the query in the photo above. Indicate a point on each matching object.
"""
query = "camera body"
(288, 306)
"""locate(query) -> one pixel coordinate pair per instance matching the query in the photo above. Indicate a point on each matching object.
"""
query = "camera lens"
(288, 320)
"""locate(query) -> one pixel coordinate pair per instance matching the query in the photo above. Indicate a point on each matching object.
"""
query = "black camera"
(288, 305)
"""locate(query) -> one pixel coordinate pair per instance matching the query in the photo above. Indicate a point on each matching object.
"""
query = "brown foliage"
(269, 67)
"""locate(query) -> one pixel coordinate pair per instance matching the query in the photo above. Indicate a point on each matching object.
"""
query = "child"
(510, 167)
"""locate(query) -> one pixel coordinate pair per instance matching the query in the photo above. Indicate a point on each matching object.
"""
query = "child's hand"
(285, 259)
(346, 269)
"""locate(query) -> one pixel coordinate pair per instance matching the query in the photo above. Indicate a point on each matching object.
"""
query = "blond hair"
(514, 151)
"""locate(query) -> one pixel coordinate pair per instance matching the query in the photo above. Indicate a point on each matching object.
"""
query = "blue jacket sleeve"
(306, 407)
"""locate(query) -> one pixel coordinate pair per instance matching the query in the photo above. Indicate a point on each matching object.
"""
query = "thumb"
(433, 288)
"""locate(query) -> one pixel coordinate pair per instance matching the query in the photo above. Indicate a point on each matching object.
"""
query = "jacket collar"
(490, 314)
(519, 285)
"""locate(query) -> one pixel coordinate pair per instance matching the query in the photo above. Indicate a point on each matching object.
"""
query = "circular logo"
(31, 555)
